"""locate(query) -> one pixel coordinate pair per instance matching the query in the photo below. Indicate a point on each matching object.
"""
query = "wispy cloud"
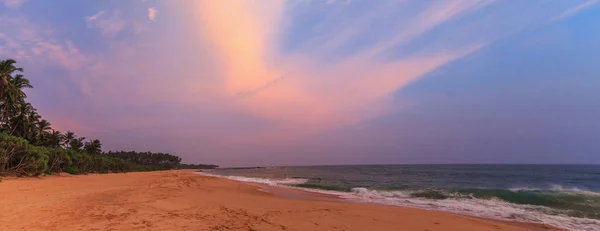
(346, 91)
(13, 3)
(112, 24)
(572, 11)
(94, 18)
(437, 13)
(245, 72)
(32, 43)
(337, 1)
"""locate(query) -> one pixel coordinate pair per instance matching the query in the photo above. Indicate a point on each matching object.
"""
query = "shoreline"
(300, 194)
(184, 200)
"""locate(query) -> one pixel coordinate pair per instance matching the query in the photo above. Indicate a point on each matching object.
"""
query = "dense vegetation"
(29, 146)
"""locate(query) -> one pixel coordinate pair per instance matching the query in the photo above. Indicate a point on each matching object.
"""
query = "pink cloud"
(226, 61)
(32, 43)
(345, 92)
(13, 3)
(152, 14)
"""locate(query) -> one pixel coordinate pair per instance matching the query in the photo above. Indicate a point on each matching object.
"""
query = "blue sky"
(317, 82)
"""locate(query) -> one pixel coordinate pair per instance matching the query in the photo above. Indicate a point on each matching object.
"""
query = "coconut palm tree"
(55, 138)
(32, 120)
(67, 139)
(77, 143)
(93, 147)
(12, 96)
(43, 126)
(20, 124)
(7, 68)
(17, 84)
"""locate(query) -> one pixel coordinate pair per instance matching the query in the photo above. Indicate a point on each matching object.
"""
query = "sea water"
(566, 196)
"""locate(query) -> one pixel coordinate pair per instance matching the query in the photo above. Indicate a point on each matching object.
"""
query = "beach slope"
(182, 200)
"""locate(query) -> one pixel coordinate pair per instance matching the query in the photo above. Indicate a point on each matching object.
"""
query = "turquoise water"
(567, 196)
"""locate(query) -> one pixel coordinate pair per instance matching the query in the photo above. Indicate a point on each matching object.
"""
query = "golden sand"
(182, 200)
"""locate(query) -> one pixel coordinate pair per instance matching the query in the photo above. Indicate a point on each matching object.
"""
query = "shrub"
(72, 170)
(18, 157)
(12, 150)
(36, 159)
(80, 160)
(58, 158)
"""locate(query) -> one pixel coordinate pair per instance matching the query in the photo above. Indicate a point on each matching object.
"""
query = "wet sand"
(182, 200)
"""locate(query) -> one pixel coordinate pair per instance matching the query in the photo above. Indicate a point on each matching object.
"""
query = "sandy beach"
(182, 200)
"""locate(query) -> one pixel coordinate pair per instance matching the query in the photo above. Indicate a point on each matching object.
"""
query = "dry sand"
(181, 200)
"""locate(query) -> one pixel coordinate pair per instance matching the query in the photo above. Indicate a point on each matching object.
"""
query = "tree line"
(30, 146)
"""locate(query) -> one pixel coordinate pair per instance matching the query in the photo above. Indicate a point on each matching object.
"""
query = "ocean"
(566, 196)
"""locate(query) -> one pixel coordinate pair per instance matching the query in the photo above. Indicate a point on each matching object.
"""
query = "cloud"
(13, 3)
(347, 91)
(572, 11)
(94, 18)
(228, 60)
(334, 1)
(110, 26)
(152, 14)
(113, 24)
(28, 42)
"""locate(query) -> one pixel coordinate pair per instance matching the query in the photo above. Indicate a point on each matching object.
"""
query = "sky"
(317, 82)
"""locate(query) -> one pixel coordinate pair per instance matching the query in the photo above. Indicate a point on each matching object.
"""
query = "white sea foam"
(557, 188)
(560, 188)
(488, 208)
(285, 181)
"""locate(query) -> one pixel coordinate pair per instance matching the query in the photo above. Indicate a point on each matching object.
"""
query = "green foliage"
(76, 143)
(18, 157)
(93, 147)
(58, 158)
(36, 159)
(72, 170)
(158, 161)
(29, 146)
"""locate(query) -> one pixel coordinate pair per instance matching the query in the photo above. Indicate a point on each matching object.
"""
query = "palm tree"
(32, 120)
(20, 124)
(77, 143)
(67, 139)
(93, 147)
(43, 126)
(12, 96)
(55, 138)
(17, 84)
(7, 68)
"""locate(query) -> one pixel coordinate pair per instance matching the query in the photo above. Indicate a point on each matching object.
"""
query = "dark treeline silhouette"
(29, 145)
(197, 166)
